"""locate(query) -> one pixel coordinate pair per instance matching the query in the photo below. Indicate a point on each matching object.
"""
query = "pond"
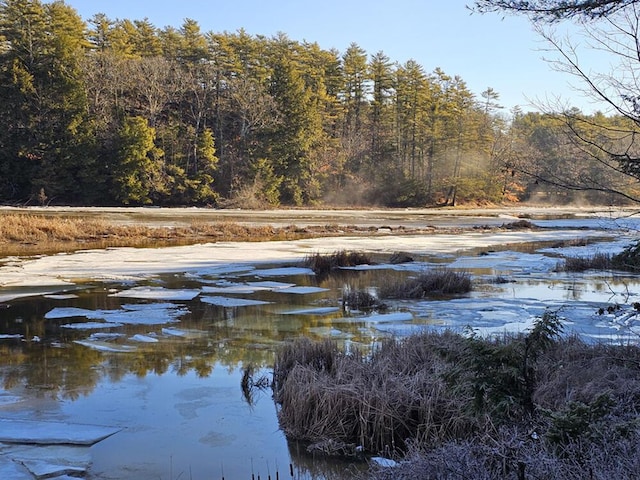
(153, 343)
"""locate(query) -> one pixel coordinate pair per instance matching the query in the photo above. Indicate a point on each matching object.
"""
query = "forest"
(121, 112)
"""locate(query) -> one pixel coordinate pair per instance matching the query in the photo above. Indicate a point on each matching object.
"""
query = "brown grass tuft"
(323, 265)
(438, 281)
(597, 261)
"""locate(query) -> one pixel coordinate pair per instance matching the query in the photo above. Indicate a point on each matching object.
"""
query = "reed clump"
(429, 282)
(323, 265)
(360, 299)
(597, 261)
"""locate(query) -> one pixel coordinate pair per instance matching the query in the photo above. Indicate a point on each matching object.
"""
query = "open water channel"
(151, 344)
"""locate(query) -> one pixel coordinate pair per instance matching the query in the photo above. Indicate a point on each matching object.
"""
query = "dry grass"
(376, 401)
(597, 261)
(359, 299)
(323, 265)
(21, 233)
(437, 281)
(417, 397)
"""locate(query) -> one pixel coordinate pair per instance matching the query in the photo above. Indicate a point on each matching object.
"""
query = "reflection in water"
(179, 388)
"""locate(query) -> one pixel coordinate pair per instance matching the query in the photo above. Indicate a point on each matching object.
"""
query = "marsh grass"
(323, 265)
(25, 233)
(360, 299)
(553, 407)
(597, 261)
(429, 282)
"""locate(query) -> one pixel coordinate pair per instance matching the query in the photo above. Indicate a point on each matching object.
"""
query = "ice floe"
(9, 336)
(231, 302)
(35, 449)
(61, 296)
(312, 311)
(102, 346)
(130, 314)
(158, 293)
(49, 433)
(304, 290)
(144, 338)
(91, 325)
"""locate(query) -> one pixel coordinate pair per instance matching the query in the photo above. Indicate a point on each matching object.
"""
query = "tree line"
(121, 112)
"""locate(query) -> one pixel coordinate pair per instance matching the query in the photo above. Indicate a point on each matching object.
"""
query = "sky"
(491, 50)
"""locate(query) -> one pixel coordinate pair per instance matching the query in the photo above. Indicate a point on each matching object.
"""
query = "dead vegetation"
(534, 405)
(360, 299)
(24, 233)
(323, 265)
(436, 281)
(597, 261)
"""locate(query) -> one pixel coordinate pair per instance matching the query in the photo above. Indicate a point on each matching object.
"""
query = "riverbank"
(36, 230)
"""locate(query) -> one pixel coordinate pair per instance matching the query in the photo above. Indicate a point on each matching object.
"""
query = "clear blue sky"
(484, 50)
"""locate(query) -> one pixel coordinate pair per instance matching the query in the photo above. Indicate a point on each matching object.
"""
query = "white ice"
(303, 290)
(133, 314)
(231, 302)
(158, 293)
(312, 311)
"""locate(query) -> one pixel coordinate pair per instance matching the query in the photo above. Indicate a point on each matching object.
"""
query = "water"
(166, 364)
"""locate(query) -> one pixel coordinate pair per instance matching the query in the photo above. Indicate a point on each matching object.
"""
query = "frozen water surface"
(152, 343)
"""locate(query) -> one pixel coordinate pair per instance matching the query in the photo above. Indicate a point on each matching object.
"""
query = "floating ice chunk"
(138, 314)
(52, 433)
(91, 325)
(43, 469)
(271, 285)
(157, 293)
(174, 332)
(147, 314)
(183, 333)
(231, 302)
(105, 346)
(312, 311)
(144, 338)
(233, 288)
(105, 336)
(6, 336)
(69, 312)
(303, 290)
(61, 296)
(281, 272)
